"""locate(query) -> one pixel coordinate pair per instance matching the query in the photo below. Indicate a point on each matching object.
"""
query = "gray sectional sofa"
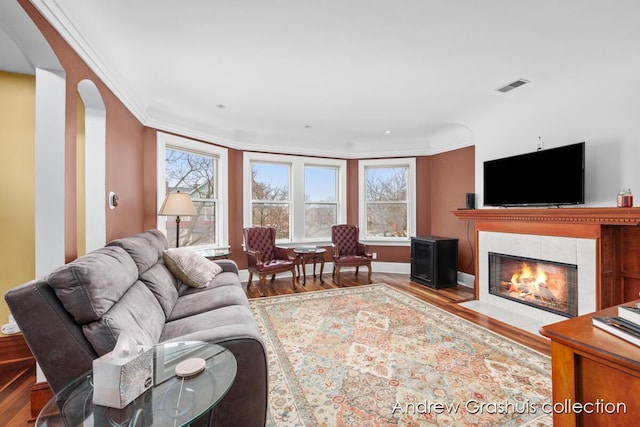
(76, 313)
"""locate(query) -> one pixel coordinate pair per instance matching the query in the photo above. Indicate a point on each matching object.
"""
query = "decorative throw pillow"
(189, 267)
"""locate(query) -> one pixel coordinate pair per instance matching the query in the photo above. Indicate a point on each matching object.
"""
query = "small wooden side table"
(303, 255)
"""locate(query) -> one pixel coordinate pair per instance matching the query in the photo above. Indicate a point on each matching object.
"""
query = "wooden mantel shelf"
(608, 216)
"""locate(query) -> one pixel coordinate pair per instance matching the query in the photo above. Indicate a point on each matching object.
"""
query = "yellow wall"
(17, 183)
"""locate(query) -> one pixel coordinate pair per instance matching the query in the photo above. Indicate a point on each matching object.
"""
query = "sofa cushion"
(137, 313)
(145, 248)
(211, 325)
(208, 299)
(163, 284)
(219, 280)
(189, 267)
(89, 286)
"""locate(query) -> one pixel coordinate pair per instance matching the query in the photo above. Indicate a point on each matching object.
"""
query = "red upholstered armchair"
(265, 258)
(347, 251)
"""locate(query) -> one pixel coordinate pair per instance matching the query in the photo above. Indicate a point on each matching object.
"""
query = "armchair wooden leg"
(369, 275)
(336, 271)
(357, 268)
(293, 277)
(250, 279)
(262, 288)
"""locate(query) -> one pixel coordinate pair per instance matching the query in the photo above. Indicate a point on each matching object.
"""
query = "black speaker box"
(471, 200)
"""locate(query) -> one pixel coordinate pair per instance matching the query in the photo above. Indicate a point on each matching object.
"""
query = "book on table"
(632, 314)
(618, 326)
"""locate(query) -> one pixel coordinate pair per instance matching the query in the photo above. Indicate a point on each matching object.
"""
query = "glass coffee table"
(172, 401)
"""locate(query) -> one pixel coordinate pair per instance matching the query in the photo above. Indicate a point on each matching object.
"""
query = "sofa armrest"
(253, 258)
(228, 266)
(55, 339)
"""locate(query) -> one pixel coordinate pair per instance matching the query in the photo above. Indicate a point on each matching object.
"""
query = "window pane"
(320, 184)
(272, 215)
(190, 173)
(318, 219)
(386, 220)
(269, 181)
(386, 184)
(194, 174)
(198, 230)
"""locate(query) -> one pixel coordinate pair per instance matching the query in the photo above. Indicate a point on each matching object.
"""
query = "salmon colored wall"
(452, 175)
(352, 192)
(125, 148)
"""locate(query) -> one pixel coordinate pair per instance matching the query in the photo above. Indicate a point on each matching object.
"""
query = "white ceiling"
(330, 77)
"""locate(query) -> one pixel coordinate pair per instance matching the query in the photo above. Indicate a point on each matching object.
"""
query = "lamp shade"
(177, 204)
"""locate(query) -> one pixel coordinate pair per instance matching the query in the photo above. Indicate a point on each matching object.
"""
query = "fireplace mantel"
(593, 216)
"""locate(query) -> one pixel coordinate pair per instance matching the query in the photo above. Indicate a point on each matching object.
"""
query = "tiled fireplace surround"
(568, 250)
(580, 236)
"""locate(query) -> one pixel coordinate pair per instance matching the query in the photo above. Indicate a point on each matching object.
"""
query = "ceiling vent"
(512, 85)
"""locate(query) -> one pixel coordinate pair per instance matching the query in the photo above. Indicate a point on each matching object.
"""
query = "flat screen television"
(542, 178)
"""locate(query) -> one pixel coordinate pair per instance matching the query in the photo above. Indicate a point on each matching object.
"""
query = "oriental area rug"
(376, 356)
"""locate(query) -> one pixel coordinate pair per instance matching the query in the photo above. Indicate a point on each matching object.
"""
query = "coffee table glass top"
(172, 401)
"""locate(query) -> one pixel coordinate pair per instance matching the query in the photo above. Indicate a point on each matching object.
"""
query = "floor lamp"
(176, 204)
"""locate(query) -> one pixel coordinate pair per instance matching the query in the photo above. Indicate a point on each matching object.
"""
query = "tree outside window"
(270, 197)
(193, 173)
(321, 201)
(301, 197)
(386, 201)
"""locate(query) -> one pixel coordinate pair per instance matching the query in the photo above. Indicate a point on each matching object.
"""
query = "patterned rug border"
(362, 288)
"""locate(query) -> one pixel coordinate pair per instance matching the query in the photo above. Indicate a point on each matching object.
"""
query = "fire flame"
(527, 275)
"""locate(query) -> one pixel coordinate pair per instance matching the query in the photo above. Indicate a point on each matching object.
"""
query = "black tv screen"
(541, 178)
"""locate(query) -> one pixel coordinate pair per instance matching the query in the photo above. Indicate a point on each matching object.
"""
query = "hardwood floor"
(447, 299)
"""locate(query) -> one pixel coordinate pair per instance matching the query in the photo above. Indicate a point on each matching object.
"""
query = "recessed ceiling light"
(387, 131)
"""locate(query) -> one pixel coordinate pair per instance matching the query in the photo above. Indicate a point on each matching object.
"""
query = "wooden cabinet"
(434, 261)
(595, 375)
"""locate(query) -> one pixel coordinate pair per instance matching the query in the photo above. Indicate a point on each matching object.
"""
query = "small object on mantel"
(190, 367)
(625, 198)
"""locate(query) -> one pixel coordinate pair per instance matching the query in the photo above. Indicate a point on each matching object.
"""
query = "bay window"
(300, 197)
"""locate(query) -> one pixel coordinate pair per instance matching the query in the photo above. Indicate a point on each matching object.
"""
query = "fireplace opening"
(547, 285)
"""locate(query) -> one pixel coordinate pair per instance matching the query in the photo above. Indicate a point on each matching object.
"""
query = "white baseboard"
(376, 267)
(464, 279)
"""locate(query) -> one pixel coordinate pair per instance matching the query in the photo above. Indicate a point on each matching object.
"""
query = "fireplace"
(547, 285)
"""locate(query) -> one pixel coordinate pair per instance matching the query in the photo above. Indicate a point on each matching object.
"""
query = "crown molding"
(54, 14)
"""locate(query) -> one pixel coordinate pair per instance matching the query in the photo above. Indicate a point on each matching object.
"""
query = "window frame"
(406, 162)
(296, 191)
(164, 141)
(335, 203)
